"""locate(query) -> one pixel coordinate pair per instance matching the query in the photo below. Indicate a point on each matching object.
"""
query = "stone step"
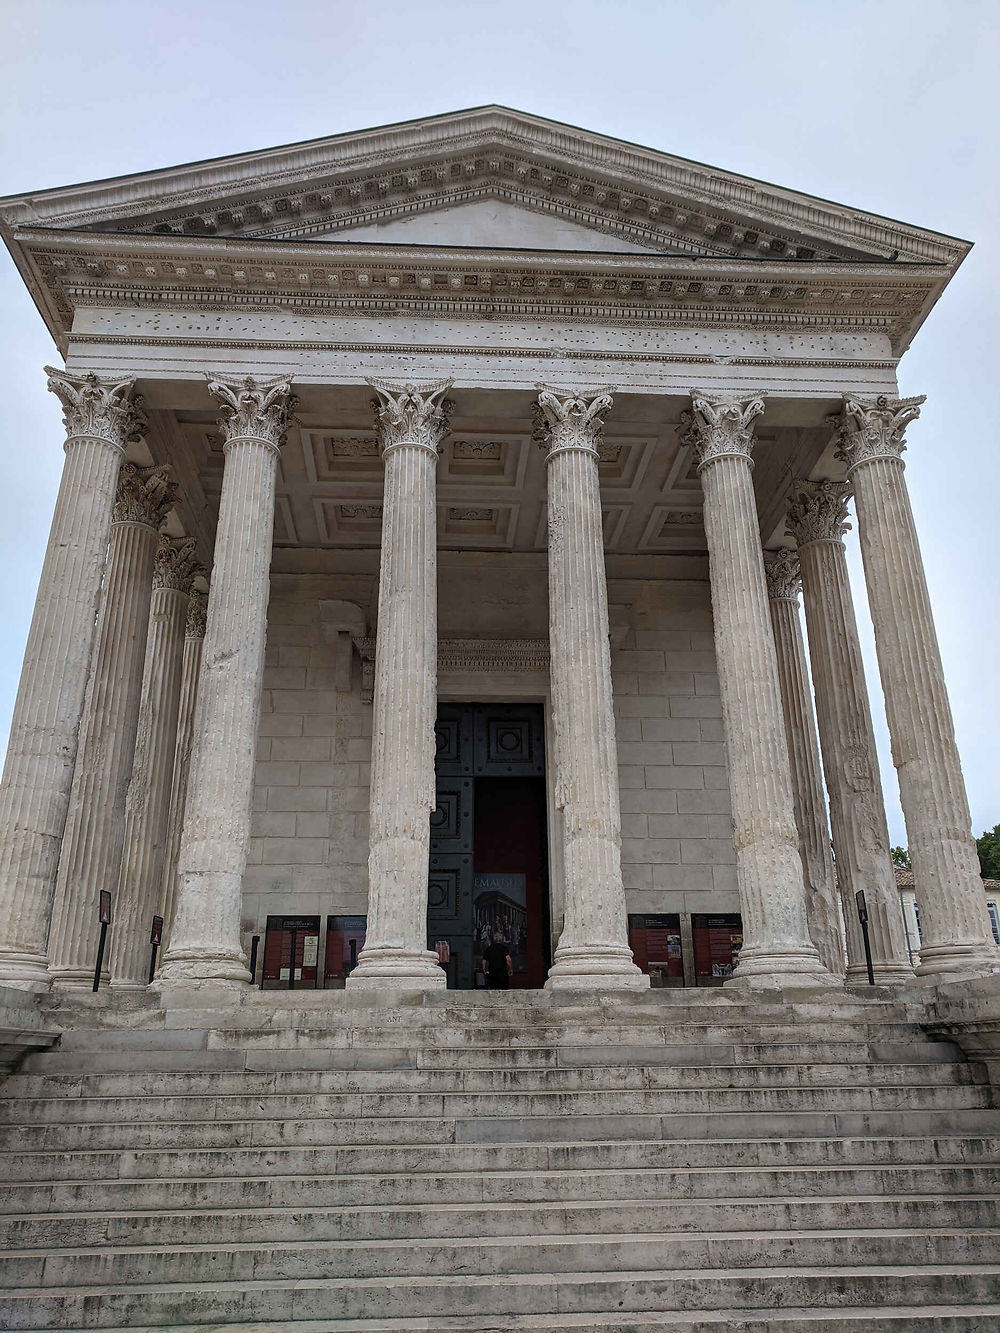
(945, 1142)
(461, 1178)
(274, 1096)
(302, 1259)
(256, 1225)
(833, 1288)
(144, 1064)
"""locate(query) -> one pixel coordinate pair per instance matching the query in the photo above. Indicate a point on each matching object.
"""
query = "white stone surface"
(776, 943)
(90, 860)
(411, 420)
(147, 804)
(593, 951)
(781, 569)
(194, 638)
(957, 940)
(817, 520)
(205, 940)
(101, 419)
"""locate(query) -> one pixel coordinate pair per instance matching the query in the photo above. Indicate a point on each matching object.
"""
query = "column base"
(595, 967)
(75, 978)
(766, 969)
(24, 971)
(195, 967)
(382, 967)
(886, 974)
(955, 962)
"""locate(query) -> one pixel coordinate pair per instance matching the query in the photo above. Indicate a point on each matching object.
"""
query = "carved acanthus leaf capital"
(254, 410)
(720, 425)
(144, 495)
(569, 418)
(197, 615)
(871, 428)
(416, 414)
(817, 511)
(98, 407)
(175, 564)
(781, 569)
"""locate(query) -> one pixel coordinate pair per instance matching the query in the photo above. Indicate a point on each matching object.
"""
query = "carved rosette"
(197, 615)
(144, 495)
(720, 426)
(567, 419)
(253, 410)
(95, 407)
(414, 414)
(781, 569)
(874, 427)
(175, 564)
(817, 511)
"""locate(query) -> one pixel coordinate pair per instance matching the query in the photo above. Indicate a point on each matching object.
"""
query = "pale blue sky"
(889, 106)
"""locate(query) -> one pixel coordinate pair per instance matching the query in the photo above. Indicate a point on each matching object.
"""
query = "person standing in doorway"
(497, 965)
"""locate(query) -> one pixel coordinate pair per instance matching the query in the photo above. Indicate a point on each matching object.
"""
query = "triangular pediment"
(488, 177)
(489, 223)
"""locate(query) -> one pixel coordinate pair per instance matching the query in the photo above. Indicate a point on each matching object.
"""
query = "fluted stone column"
(411, 422)
(781, 569)
(776, 944)
(194, 637)
(95, 826)
(146, 807)
(593, 951)
(957, 939)
(101, 418)
(817, 520)
(205, 945)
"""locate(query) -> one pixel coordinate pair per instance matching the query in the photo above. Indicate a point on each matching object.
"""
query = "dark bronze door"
(488, 851)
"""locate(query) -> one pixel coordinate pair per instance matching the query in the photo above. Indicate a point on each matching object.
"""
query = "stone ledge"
(24, 1027)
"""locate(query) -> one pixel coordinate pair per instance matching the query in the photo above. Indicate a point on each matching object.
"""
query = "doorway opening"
(489, 848)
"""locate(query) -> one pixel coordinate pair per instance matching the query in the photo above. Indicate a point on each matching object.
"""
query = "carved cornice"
(817, 511)
(570, 419)
(719, 426)
(872, 428)
(197, 615)
(100, 408)
(145, 495)
(252, 410)
(411, 414)
(175, 564)
(493, 655)
(781, 569)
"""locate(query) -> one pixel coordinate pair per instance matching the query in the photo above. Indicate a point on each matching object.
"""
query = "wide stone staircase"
(687, 1161)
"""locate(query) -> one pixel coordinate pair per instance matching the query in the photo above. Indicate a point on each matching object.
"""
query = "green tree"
(988, 847)
(900, 857)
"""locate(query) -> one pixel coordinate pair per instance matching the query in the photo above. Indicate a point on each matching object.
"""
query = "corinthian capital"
(569, 419)
(144, 495)
(781, 569)
(817, 511)
(252, 410)
(411, 413)
(98, 407)
(874, 427)
(720, 425)
(175, 564)
(197, 615)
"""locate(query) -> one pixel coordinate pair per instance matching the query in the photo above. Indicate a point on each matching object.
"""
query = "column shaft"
(152, 768)
(205, 944)
(776, 943)
(857, 808)
(194, 637)
(822, 914)
(38, 772)
(593, 949)
(95, 826)
(411, 422)
(957, 939)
